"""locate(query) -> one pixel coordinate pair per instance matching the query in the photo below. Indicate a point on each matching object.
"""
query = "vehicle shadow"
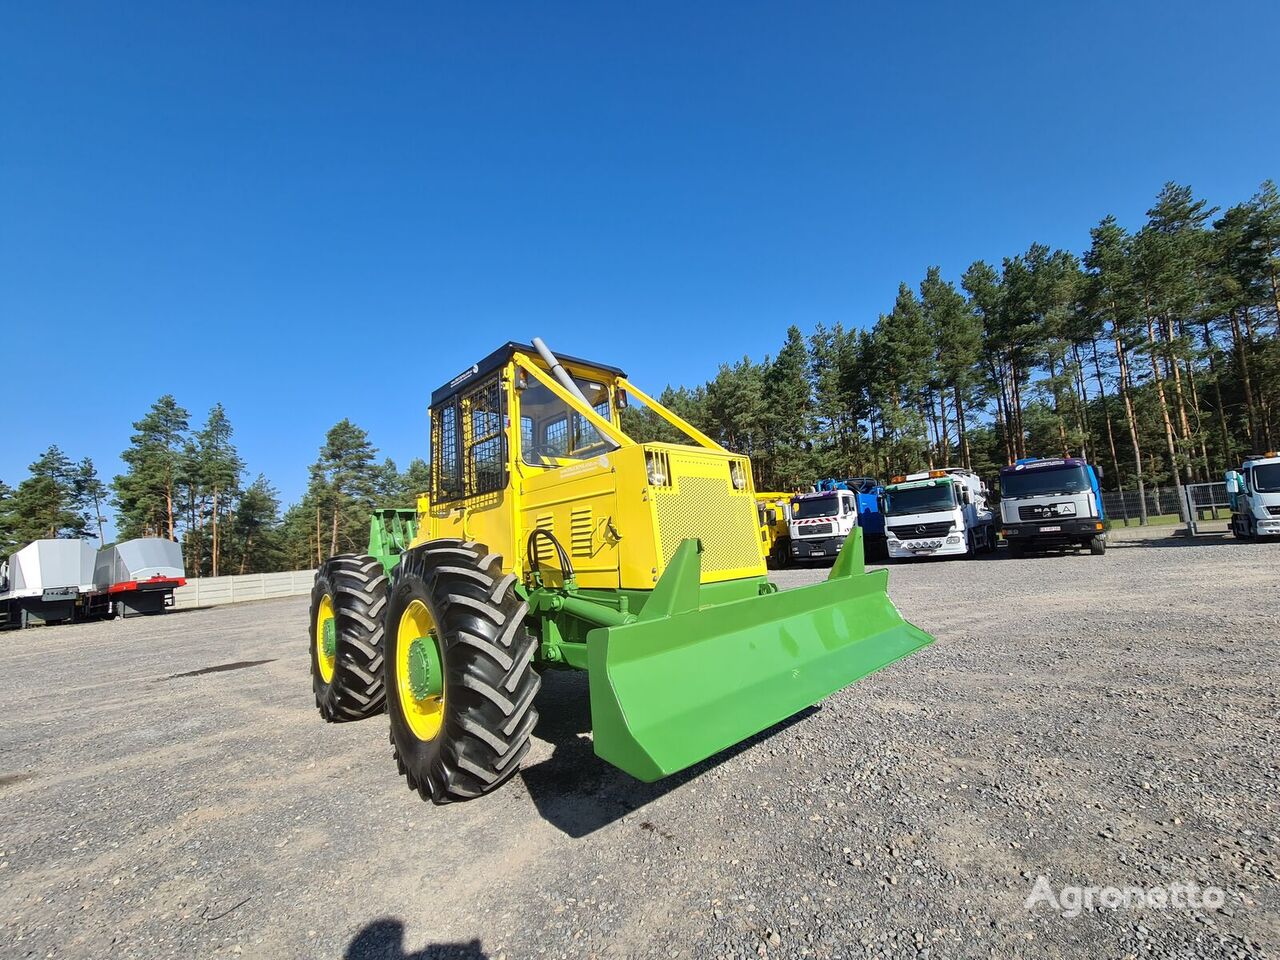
(577, 792)
(383, 939)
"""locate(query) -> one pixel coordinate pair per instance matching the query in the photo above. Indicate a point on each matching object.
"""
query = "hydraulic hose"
(566, 565)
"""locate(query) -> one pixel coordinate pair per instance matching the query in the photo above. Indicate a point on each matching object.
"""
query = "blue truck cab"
(1052, 502)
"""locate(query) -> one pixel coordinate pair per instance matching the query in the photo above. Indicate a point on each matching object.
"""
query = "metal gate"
(1204, 501)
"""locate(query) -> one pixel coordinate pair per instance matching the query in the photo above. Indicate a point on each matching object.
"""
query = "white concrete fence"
(212, 591)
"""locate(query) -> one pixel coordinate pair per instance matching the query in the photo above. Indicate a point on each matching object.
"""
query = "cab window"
(468, 443)
(551, 431)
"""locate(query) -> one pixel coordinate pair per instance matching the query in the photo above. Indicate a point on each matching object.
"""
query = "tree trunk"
(213, 551)
(333, 543)
(1164, 402)
(1106, 411)
(1127, 396)
(1171, 364)
(1242, 355)
(962, 430)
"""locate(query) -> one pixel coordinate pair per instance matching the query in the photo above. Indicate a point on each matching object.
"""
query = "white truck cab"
(938, 513)
(1254, 491)
(821, 522)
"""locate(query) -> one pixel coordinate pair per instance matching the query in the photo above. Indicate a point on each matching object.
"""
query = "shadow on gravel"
(576, 791)
(217, 668)
(384, 940)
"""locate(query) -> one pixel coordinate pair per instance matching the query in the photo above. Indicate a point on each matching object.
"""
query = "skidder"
(550, 539)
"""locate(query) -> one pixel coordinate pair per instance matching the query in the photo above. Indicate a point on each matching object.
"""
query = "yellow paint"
(324, 614)
(635, 525)
(423, 716)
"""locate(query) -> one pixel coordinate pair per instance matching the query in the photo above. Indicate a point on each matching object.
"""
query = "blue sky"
(322, 210)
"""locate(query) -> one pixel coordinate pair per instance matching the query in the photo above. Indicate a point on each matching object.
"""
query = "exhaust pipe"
(566, 381)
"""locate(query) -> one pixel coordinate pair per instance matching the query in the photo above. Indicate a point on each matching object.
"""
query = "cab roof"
(499, 358)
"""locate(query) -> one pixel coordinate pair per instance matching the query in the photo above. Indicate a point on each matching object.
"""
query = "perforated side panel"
(703, 508)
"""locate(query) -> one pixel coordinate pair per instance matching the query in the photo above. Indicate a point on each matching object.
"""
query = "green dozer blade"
(686, 680)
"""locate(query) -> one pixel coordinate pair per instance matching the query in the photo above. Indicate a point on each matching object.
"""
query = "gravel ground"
(1100, 721)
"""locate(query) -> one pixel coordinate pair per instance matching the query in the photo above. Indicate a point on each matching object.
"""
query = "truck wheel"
(459, 671)
(1097, 546)
(347, 604)
(971, 546)
(993, 540)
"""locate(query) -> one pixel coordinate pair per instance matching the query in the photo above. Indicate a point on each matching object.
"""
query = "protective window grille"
(446, 480)
(483, 441)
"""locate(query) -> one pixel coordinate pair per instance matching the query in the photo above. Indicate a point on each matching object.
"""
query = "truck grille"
(1274, 511)
(709, 509)
(816, 530)
(917, 531)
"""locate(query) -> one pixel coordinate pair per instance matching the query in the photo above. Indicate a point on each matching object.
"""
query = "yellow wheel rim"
(326, 639)
(419, 671)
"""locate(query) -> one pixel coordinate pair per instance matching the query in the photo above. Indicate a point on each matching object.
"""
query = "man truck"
(938, 513)
(1254, 491)
(1052, 502)
(821, 522)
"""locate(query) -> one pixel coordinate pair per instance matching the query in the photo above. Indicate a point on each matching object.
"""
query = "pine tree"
(46, 505)
(346, 481)
(145, 495)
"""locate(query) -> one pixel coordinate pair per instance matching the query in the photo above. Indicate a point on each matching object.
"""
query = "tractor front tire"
(347, 606)
(1097, 546)
(459, 671)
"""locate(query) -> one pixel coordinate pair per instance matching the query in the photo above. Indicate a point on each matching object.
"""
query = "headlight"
(953, 539)
(738, 475)
(656, 477)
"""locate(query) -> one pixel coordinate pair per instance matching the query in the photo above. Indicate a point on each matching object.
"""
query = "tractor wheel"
(1097, 546)
(347, 604)
(459, 671)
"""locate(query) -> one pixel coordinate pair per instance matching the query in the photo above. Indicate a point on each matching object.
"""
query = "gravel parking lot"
(167, 789)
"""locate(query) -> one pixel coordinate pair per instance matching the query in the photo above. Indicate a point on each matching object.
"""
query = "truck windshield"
(1044, 483)
(918, 499)
(815, 507)
(1266, 478)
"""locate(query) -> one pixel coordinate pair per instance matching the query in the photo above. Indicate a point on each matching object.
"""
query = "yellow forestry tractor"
(550, 539)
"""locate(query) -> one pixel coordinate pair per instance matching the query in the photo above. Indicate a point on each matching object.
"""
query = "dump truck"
(1052, 502)
(938, 513)
(550, 539)
(774, 510)
(1254, 492)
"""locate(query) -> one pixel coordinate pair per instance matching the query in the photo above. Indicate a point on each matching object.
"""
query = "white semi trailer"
(1254, 491)
(938, 513)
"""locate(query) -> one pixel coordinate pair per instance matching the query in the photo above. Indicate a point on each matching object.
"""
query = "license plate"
(817, 553)
(1050, 529)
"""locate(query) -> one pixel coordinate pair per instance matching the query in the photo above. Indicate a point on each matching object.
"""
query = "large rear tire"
(347, 605)
(459, 671)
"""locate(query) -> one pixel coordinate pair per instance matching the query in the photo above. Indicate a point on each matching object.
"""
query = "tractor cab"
(526, 441)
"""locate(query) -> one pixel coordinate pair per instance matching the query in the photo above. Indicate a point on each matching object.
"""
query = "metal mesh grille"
(486, 464)
(446, 480)
(703, 508)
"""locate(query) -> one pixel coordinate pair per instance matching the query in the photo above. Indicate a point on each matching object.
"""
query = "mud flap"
(686, 680)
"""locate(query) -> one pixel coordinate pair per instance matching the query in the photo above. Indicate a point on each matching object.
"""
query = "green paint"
(391, 530)
(689, 678)
(426, 679)
(329, 638)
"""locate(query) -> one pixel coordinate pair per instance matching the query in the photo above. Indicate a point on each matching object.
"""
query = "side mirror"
(1233, 482)
(620, 398)
(1097, 470)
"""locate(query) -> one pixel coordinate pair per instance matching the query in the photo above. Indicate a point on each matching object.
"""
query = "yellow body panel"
(619, 527)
